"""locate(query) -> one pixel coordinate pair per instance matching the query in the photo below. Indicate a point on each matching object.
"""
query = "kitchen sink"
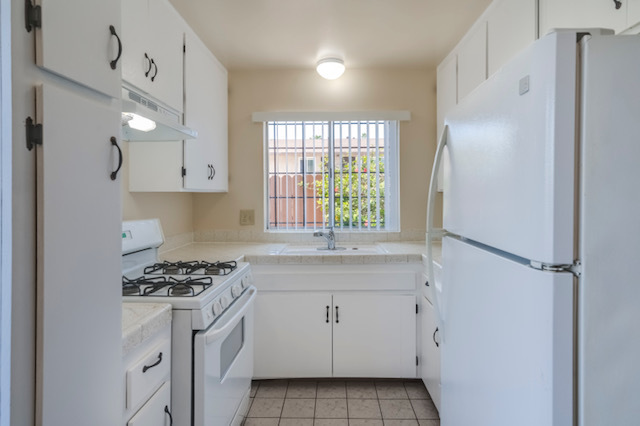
(361, 250)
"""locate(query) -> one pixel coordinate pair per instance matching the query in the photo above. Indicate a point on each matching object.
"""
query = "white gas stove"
(212, 328)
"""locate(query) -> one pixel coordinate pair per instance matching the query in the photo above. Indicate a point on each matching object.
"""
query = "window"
(340, 174)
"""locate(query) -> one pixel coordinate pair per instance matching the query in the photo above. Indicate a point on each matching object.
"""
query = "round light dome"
(330, 68)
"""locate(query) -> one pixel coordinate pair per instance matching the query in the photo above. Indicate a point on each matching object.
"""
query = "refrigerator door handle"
(431, 232)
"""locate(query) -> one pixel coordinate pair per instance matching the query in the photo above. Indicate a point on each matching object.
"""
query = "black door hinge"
(416, 308)
(32, 16)
(184, 172)
(34, 133)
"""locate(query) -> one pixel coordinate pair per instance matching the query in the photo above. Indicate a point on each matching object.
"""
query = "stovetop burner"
(191, 268)
(161, 286)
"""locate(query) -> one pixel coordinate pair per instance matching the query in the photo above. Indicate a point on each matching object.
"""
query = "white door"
(156, 411)
(512, 27)
(472, 60)
(136, 37)
(374, 335)
(205, 157)
(79, 40)
(507, 341)
(582, 14)
(430, 351)
(511, 151)
(609, 339)
(79, 332)
(223, 364)
(166, 46)
(293, 335)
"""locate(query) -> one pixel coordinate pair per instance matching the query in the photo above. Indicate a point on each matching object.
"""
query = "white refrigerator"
(539, 310)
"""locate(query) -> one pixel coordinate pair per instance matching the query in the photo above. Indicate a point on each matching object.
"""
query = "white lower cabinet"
(374, 335)
(146, 380)
(156, 412)
(430, 371)
(359, 334)
(292, 335)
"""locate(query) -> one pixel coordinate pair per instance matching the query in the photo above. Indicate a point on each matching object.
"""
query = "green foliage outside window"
(358, 186)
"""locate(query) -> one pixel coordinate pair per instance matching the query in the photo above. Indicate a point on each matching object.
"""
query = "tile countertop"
(265, 253)
(140, 321)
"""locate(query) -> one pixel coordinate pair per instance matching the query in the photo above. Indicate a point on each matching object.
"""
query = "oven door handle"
(245, 302)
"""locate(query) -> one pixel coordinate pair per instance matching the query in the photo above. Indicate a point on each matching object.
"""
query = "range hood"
(144, 119)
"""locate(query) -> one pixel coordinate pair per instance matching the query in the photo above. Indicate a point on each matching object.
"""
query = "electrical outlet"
(247, 217)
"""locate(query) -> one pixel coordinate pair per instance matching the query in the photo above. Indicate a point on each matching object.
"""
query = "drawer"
(148, 374)
(157, 411)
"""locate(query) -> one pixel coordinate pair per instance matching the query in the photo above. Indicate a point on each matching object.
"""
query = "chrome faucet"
(329, 236)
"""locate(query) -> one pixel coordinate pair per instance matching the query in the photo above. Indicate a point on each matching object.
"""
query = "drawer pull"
(327, 313)
(146, 367)
(434, 338)
(337, 316)
(166, 410)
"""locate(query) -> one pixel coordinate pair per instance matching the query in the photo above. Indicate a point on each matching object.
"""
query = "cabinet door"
(205, 111)
(136, 59)
(447, 96)
(157, 411)
(75, 42)
(512, 26)
(166, 45)
(79, 319)
(472, 60)
(374, 335)
(633, 12)
(430, 370)
(581, 14)
(154, 166)
(292, 335)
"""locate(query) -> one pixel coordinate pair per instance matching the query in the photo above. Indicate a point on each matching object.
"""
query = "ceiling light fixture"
(330, 68)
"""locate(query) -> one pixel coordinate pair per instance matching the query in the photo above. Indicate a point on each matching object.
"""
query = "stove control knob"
(217, 309)
(224, 300)
(236, 290)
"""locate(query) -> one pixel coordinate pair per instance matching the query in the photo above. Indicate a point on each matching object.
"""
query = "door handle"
(327, 314)
(434, 338)
(213, 172)
(146, 74)
(337, 316)
(156, 67)
(166, 410)
(113, 63)
(115, 143)
(148, 367)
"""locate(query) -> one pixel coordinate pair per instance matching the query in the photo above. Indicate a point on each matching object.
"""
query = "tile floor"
(340, 403)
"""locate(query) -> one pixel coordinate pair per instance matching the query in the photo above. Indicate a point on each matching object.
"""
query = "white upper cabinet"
(633, 12)
(205, 158)
(472, 60)
(582, 14)
(153, 35)
(81, 47)
(447, 88)
(512, 26)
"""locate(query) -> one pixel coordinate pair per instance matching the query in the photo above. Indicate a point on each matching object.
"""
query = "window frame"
(391, 150)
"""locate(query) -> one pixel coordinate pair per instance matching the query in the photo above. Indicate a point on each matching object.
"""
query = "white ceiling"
(249, 34)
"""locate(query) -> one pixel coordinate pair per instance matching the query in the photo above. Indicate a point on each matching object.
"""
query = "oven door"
(223, 364)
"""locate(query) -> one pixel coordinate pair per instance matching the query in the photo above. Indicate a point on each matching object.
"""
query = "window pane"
(304, 195)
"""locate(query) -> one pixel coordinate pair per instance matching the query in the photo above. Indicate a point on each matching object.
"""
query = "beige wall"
(175, 210)
(304, 90)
